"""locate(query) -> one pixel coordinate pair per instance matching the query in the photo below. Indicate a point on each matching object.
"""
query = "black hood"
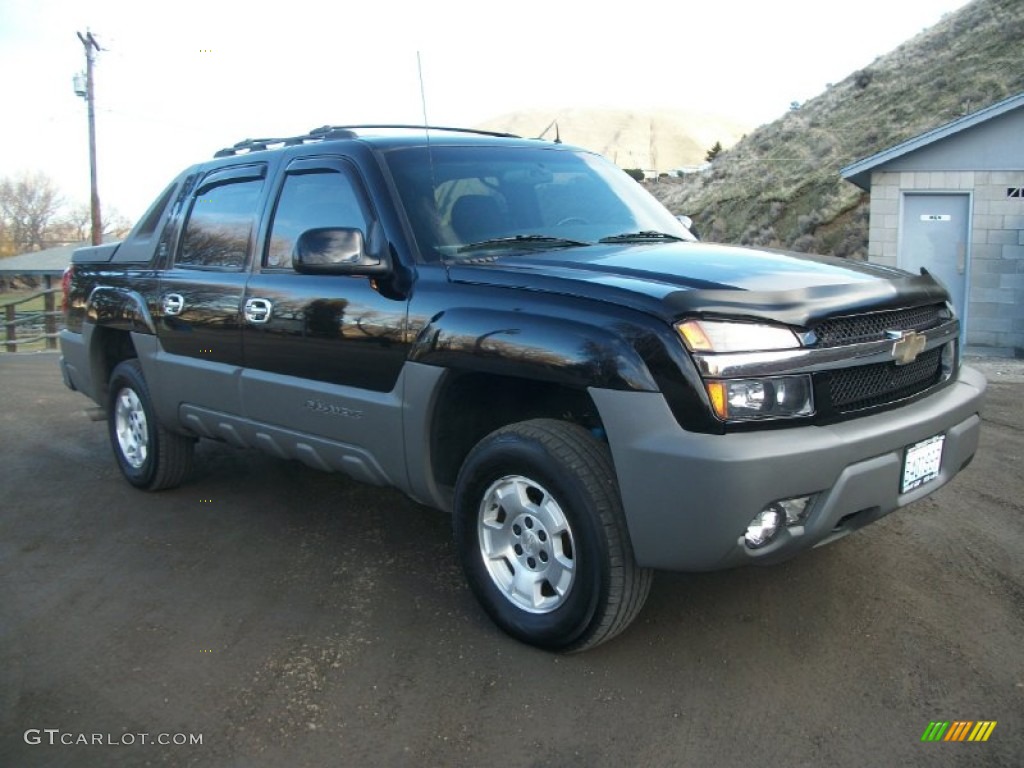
(679, 279)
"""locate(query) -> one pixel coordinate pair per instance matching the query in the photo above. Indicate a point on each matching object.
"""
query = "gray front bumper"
(689, 497)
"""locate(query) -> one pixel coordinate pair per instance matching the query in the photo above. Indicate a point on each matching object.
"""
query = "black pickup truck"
(515, 332)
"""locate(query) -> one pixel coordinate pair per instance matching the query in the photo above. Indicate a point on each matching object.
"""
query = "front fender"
(562, 351)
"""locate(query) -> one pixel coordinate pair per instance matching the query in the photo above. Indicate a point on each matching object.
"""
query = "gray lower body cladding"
(74, 362)
(690, 497)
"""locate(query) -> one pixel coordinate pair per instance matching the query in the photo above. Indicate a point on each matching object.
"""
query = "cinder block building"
(952, 201)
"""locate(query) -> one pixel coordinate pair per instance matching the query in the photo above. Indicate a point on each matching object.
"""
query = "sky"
(176, 81)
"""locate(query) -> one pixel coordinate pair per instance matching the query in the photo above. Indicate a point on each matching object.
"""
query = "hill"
(780, 185)
(660, 140)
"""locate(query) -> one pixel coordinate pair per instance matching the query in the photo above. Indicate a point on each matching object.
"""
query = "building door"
(935, 235)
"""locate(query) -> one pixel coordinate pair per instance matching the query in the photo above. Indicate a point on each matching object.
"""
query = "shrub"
(806, 224)
(803, 244)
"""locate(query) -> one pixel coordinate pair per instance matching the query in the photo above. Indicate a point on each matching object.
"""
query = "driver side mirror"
(687, 222)
(336, 251)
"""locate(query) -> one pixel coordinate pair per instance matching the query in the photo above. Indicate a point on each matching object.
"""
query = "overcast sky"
(180, 79)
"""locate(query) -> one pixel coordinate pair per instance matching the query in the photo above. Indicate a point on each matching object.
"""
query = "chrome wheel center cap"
(531, 544)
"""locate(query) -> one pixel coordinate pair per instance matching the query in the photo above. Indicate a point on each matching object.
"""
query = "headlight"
(773, 397)
(722, 336)
(768, 397)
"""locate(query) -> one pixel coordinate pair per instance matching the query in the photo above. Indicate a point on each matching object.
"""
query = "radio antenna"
(430, 151)
(423, 94)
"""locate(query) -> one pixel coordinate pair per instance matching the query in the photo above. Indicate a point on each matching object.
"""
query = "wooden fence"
(24, 326)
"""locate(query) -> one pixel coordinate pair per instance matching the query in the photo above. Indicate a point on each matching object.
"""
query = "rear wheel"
(149, 456)
(542, 537)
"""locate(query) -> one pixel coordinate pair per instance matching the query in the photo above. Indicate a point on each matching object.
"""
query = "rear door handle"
(173, 304)
(258, 311)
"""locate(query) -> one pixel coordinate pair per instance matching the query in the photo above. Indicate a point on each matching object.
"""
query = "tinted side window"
(309, 200)
(220, 226)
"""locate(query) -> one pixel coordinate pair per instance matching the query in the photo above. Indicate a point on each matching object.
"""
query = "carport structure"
(45, 266)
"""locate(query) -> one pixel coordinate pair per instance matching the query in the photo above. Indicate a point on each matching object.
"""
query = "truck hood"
(673, 280)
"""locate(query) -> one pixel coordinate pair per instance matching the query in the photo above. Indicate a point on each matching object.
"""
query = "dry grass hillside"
(780, 185)
(651, 140)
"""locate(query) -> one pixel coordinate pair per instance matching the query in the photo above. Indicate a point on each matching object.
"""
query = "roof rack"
(331, 132)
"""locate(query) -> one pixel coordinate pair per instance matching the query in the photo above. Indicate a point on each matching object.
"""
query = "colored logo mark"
(959, 730)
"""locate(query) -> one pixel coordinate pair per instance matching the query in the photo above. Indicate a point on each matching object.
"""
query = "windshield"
(465, 200)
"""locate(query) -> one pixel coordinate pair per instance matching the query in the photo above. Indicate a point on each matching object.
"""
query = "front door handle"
(173, 304)
(258, 311)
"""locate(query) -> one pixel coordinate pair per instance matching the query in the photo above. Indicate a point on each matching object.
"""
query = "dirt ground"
(292, 618)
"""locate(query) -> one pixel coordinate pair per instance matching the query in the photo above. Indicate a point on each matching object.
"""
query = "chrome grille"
(853, 389)
(859, 329)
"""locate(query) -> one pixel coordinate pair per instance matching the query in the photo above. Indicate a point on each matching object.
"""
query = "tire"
(542, 537)
(149, 456)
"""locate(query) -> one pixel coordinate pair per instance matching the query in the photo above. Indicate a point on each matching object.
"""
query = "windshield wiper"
(646, 235)
(519, 241)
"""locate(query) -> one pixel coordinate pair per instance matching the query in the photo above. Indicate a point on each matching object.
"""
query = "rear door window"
(219, 230)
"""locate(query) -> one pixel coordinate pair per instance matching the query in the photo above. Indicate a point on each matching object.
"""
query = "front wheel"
(542, 537)
(149, 456)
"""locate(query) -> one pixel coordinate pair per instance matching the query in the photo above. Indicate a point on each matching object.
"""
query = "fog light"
(795, 509)
(764, 527)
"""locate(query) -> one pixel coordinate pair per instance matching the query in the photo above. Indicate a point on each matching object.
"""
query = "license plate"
(921, 463)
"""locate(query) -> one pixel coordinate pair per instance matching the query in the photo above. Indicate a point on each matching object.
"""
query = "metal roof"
(50, 261)
(860, 172)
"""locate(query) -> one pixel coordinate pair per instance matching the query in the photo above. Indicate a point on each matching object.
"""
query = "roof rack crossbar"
(334, 132)
(258, 145)
(416, 127)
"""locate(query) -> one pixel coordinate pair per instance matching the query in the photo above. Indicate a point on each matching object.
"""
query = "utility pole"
(91, 47)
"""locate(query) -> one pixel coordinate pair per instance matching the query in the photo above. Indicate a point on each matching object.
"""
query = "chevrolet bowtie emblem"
(910, 345)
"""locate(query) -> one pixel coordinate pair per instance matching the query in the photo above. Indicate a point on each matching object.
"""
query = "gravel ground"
(292, 618)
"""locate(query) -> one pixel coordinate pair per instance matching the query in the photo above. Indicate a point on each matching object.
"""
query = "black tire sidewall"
(128, 375)
(512, 454)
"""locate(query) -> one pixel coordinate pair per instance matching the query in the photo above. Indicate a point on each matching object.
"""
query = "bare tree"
(74, 224)
(34, 215)
(115, 225)
(29, 206)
